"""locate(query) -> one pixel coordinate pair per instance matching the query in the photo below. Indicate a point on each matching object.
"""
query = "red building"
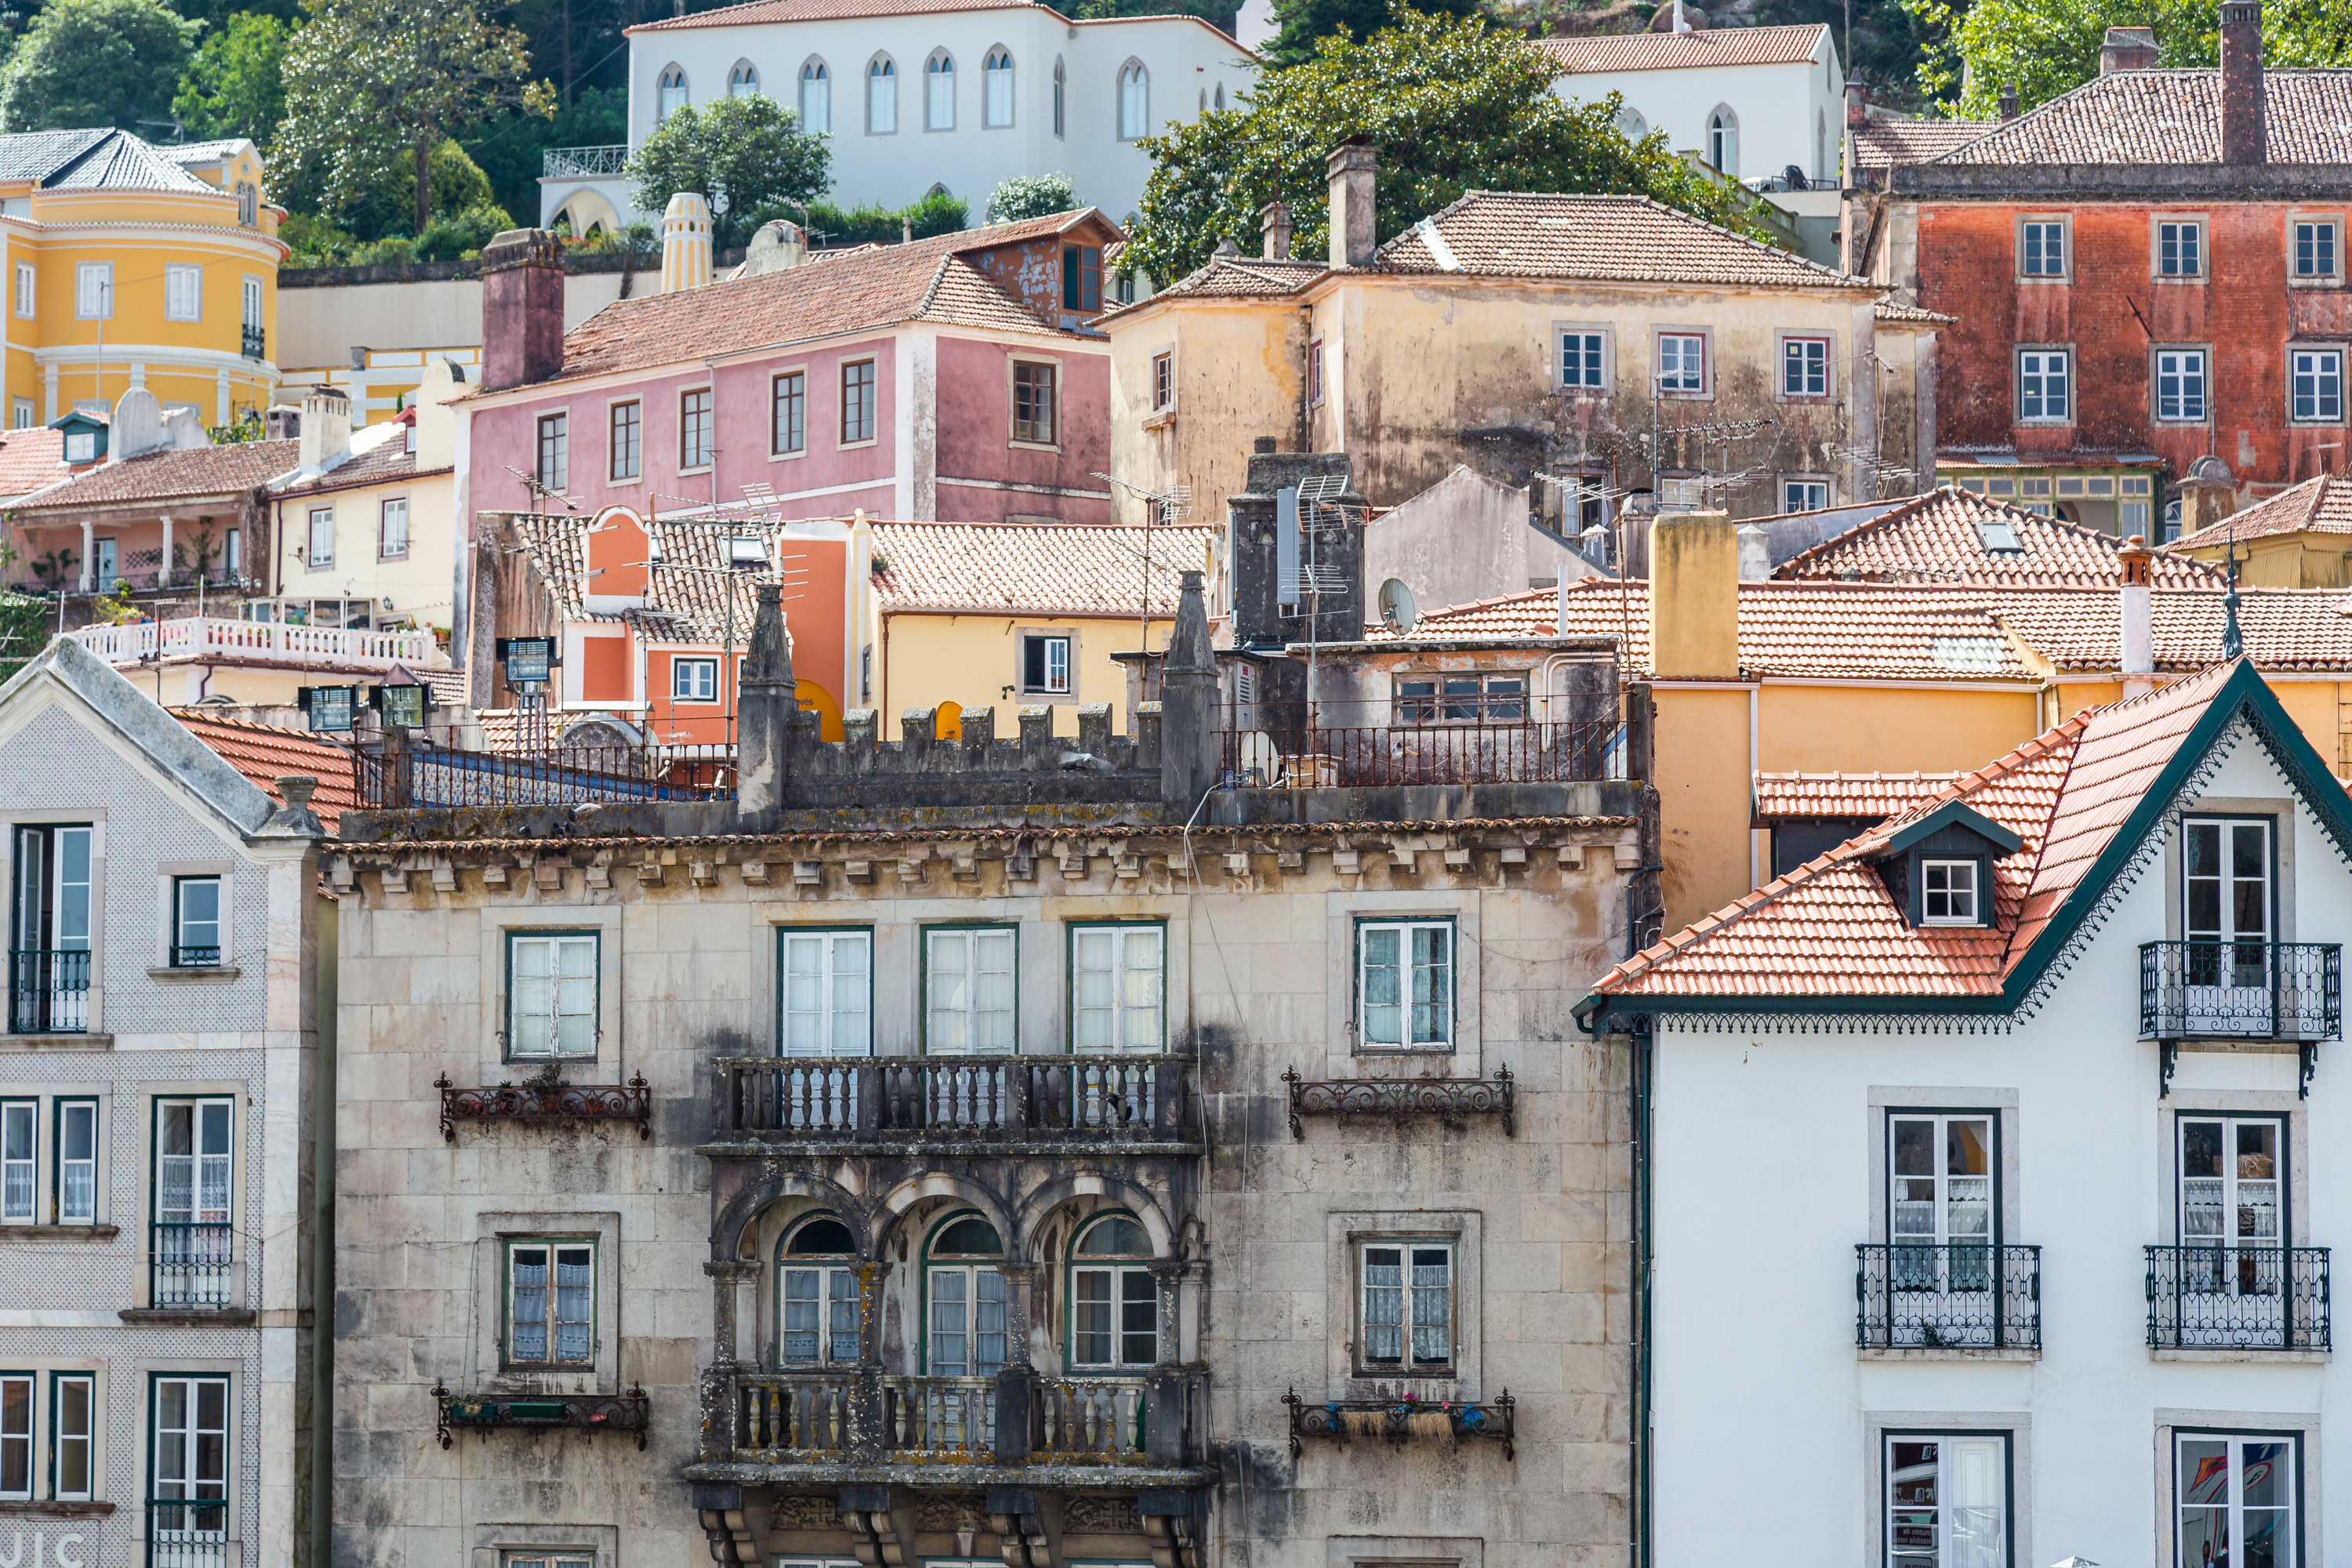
(2146, 272)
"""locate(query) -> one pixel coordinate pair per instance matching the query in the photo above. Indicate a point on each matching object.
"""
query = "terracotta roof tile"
(265, 754)
(30, 459)
(386, 461)
(2319, 505)
(2169, 116)
(1602, 237)
(692, 582)
(1882, 143)
(1842, 793)
(1686, 51)
(2286, 629)
(1943, 537)
(1892, 309)
(239, 466)
(1240, 278)
(1040, 568)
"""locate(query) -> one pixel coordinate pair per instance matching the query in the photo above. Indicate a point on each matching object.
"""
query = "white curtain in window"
(816, 98)
(1134, 102)
(998, 76)
(938, 93)
(672, 96)
(881, 98)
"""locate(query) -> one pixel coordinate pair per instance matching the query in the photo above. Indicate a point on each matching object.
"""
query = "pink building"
(951, 377)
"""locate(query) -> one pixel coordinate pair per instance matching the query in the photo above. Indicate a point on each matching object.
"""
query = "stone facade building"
(979, 1151)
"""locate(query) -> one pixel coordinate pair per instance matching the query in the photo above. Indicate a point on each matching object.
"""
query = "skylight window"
(2000, 536)
(1973, 653)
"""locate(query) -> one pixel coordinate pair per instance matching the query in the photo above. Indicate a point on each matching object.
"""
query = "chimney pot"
(1274, 219)
(326, 435)
(1351, 169)
(522, 309)
(2244, 137)
(2008, 101)
(686, 243)
(2136, 628)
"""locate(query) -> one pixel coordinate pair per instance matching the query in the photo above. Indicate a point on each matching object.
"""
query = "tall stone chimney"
(1274, 219)
(522, 309)
(686, 243)
(1350, 171)
(1694, 596)
(1188, 754)
(1857, 104)
(2127, 49)
(2137, 639)
(2244, 139)
(326, 428)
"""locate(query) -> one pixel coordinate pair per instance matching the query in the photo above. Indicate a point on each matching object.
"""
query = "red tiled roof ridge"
(1625, 199)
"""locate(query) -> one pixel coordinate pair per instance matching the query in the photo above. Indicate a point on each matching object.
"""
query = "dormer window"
(1948, 890)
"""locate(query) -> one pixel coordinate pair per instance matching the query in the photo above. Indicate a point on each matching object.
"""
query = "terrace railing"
(1076, 1097)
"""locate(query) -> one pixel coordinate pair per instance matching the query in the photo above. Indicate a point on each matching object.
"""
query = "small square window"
(1033, 412)
(550, 1303)
(551, 1003)
(1805, 367)
(694, 679)
(2314, 247)
(1804, 495)
(1046, 666)
(195, 923)
(2045, 385)
(2043, 245)
(1682, 361)
(1404, 985)
(2179, 249)
(1405, 1299)
(1947, 892)
(1581, 360)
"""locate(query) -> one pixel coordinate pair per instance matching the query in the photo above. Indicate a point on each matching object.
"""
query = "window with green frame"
(19, 1165)
(1114, 1302)
(965, 1301)
(1118, 987)
(826, 993)
(73, 1437)
(552, 1002)
(1404, 985)
(970, 1007)
(74, 1182)
(816, 1296)
(17, 1436)
(550, 1290)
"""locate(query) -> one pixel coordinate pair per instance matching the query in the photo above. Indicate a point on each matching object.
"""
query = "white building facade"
(2008, 1242)
(953, 97)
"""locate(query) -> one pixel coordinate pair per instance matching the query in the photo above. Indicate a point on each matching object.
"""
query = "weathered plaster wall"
(1240, 372)
(975, 660)
(1022, 479)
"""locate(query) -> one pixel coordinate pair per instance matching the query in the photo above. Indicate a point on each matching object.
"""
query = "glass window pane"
(529, 1305)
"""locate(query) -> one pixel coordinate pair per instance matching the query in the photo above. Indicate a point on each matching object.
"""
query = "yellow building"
(132, 265)
(2299, 538)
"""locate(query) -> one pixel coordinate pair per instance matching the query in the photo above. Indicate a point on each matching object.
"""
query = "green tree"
(1450, 105)
(509, 149)
(96, 63)
(750, 146)
(1221, 14)
(236, 84)
(1305, 23)
(1032, 195)
(368, 85)
(2049, 46)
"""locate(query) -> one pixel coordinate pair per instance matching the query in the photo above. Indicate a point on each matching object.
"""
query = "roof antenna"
(2232, 643)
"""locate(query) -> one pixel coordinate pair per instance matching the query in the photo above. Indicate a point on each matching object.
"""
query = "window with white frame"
(743, 81)
(72, 1423)
(1113, 1305)
(321, 541)
(1118, 987)
(250, 310)
(52, 915)
(552, 467)
(552, 1002)
(1134, 101)
(669, 94)
(968, 994)
(2041, 245)
(20, 413)
(94, 290)
(391, 528)
(2316, 385)
(1163, 380)
(1804, 495)
(625, 439)
(2045, 385)
(816, 98)
(2181, 384)
(1805, 367)
(2232, 1190)
(68, 1419)
(1947, 1500)
(1404, 985)
(1682, 361)
(1044, 665)
(826, 1002)
(190, 1450)
(550, 1303)
(857, 401)
(1723, 143)
(2179, 249)
(818, 1295)
(75, 1193)
(195, 923)
(1405, 1296)
(964, 1280)
(938, 92)
(2315, 242)
(694, 428)
(1581, 360)
(1948, 893)
(194, 1180)
(788, 414)
(19, 1159)
(249, 202)
(881, 97)
(17, 1436)
(996, 75)
(2237, 1494)
(694, 679)
(26, 280)
(183, 292)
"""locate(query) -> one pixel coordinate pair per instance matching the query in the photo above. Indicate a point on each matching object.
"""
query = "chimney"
(686, 243)
(1857, 103)
(768, 708)
(1351, 169)
(2127, 49)
(1273, 544)
(2008, 101)
(522, 309)
(1755, 553)
(326, 428)
(1274, 219)
(2139, 633)
(1694, 596)
(2244, 139)
(281, 423)
(779, 246)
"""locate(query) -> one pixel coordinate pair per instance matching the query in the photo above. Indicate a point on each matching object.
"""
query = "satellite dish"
(1397, 612)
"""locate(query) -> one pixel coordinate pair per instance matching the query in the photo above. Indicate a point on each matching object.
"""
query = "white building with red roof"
(1991, 1164)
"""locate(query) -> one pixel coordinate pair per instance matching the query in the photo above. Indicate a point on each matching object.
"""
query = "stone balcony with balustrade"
(216, 639)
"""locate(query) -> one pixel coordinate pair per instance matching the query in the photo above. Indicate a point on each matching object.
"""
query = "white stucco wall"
(1766, 1170)
(1787, 114)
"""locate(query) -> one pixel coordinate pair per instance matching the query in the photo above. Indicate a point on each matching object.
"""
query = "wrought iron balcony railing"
(1448, 1098)
(860, 1415)
(1399, 1422)
(1080, 1097)
(190, 1265)
(196, 957)
(1953, 1295)
(2241, 991)
(2238, 1298)
(48, 990)
(254, 343)
(547, 1099)
(584, 162)
(479, 1413)
(182, 1533)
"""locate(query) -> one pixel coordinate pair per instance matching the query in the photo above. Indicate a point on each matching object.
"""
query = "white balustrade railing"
(209, 638)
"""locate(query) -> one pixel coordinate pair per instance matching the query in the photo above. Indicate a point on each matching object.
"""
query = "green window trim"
(1118, 1266)
(19, 1466)
(784, 935)
(506, 1332)
(20, 1160)
(1071, 931)
(596, 1014)
(1358, 1007)
(924, 936)
(91, 1436)
(155, 1382)
(923, 1277)
(188, 951)
(57, 1159)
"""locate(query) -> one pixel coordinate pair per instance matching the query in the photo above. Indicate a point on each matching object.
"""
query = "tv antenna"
(1318, 508)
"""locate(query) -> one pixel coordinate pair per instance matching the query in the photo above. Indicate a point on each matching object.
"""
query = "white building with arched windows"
(954, 94)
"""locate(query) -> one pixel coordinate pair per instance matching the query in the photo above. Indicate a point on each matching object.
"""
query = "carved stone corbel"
(881, 1526)
(1020, 1526)
(720, 1510)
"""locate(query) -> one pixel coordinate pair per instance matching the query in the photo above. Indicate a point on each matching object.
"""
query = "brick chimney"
(2243, 137)
(1350, 171)
(1274, 218)
(2127, 49)
(1857, 103)
(522, 309)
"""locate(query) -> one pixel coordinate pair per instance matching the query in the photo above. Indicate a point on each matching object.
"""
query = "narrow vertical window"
(193, 1228)
(391, 533)
(1082, 277)
(25, 289)
(19, 1165)
(1723, 143)
(553, 467)
(938, 93)
(195, 923)
(76, 1171)
(49, 961)
(322, 537)
(881, 98)
(1134, 101)
(1405, 984)
(816, 98)
(827, 993)
(670, 95)
(1113, 1305)
(967, 1000)
(788, 415)
(857, 401)
(1163, 380)
(817, 1303)
(1118, 988)
(1060, 80)
(625, 440)
(551, 1301)
(551, 998)
(1947, 1502)
(16, 1437)
(964, 1279)
(2044, 246)
(1315, 384)
(996, 73)
(94, 290)
(694, 429)
(187, 1512)
(1032, 402)
(73, 1437)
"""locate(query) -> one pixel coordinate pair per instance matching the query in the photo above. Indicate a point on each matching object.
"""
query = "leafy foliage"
(1032, 195)
(509, 148)
(1450, 105)
(96, 62)
(870, 225)
(236, 84)
(368, 85)
(1221, 14)
(462, 233)
(1882, 44)
(1302, 25)
(2049, 46)
(25, 623)
(750, 146)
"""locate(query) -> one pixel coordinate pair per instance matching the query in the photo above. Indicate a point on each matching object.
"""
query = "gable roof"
(2084, 798)
(91, 159)
(30, 459)
(2170, 116)
(1882, 143)
(206, 470)
(1701, 46)
(2322, 504)
(1034, 568)
(1783, 796)
(925, 280)
(1940, 537)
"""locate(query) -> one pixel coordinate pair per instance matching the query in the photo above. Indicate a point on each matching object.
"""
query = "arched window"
(938, 92)
(816, 98)
(816, 1294)
(963, 1289)
(1723, 143)
(1134, 101)
(1221, 98)
(669, 95)
(249, 204)
(881, 97)
(996, 75)
(1058, 84)
(743, 81)
(1114, 1302)
(1630, 125)
(1205, 100)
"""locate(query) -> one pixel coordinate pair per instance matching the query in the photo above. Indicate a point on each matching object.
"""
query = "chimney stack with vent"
(1350, 171)
(2008, 101)
(686, 243)
(326, 428)
(2244, 139)
(522, 309)
(2138, 630)
(2127, 49)
(1857, 104)
(1274, 218)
